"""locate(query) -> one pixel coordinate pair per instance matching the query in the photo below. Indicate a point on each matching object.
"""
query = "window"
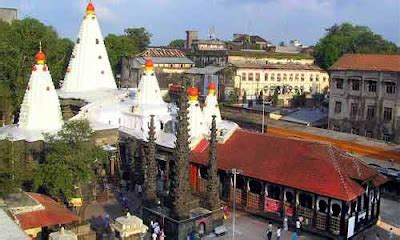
(355, 85)
(390, 87)
(368, 134)
(284, 77)
(317, 78)
(244, 76)
(324, 79)
(339, 83)
(387, 137)
(311, 78)
(370, 112)
(78, 41)
(272, 77)
(257, 77)
(355, 130)
(97, 41)
(387, 114)
(302, 77)
(250, 76)
(371, 86)
(278, 78)
(266, 77)
(99, 57)
(338, 107)
(353, 109)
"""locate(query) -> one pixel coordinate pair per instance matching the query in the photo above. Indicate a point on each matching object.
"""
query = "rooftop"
(264, 54)
(289, 66)
(9, 229)
(308, 166)
(162, 52)
(368, 62)
(53, 213)
(204, 70)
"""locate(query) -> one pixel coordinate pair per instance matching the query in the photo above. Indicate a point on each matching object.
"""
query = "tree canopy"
(19, 42)
(68, 165)
(177, 43)
(15, 168)
(346, 38)
(133, 41)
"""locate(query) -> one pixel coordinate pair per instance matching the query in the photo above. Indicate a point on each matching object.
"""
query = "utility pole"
(235, 172)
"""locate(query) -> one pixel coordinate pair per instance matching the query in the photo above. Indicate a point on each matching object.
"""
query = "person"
(157, 228)
(278, 233)
(162, 235)
(298, 226)
(269, 231)
(294, 236)
(154, 236)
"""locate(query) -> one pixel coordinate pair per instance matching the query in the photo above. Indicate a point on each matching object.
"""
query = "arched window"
(336, 210)
(322, 206)
(97, 41)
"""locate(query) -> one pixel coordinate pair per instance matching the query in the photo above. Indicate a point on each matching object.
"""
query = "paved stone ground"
(247, 227)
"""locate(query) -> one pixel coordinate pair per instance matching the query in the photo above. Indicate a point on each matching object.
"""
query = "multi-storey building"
(364, 96)
(8, 14)
(285, 79)
(170, 65)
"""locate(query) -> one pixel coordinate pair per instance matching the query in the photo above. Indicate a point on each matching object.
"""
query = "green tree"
(70, 159)
(346, 38)
(177, 43)
(134, 41)
(139, 36)
(15, 168)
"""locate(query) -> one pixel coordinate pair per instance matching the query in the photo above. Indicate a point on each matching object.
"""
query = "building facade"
(8, 14)
(170, 64)
(364, 96)
(285, 79)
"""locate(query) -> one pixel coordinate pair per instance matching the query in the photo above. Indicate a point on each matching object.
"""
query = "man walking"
(278, 233)
(269, 231)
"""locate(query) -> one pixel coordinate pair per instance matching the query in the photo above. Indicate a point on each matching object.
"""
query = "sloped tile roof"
(162, 52)
(53, 214)
(368, 62)
(304, 165)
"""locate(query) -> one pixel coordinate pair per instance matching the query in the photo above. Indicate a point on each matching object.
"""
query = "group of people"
(270, 230)
(157, 233)
(278, 232)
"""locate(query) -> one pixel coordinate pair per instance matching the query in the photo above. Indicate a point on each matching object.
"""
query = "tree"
(140, 37)
(346, 38)
(134, 41)
(177, 43)
(15, 168)
(71, 154)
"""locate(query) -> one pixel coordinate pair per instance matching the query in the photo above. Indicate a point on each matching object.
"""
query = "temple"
(34, 118)
(89, 67)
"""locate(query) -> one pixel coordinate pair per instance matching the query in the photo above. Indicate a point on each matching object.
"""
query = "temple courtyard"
(247, 226)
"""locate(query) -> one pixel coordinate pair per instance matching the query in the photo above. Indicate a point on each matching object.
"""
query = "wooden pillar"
(315, 210)
(343, 219)
(295, 205)
(378, 205)
(328, 217)
(373, 205)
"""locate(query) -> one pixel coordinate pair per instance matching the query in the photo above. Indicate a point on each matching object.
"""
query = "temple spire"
(213, 180)
(40, 108)
(211, 107)
(198, 126)
(179, 190)
(151, 173)
(89, 68)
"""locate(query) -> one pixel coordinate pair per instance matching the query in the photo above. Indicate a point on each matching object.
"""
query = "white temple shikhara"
(89, 68)
(40, 109)
(197, 125)
(211, 106)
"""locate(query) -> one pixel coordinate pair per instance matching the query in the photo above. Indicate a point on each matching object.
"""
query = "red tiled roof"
(368, 62)
(304, 165)
(53, 214)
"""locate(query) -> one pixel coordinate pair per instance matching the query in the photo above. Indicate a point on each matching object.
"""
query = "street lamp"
(235, 172)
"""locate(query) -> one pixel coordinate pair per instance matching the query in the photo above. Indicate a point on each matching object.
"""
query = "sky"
(275, 20)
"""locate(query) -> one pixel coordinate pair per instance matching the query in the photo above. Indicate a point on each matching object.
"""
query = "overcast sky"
(275, 20)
